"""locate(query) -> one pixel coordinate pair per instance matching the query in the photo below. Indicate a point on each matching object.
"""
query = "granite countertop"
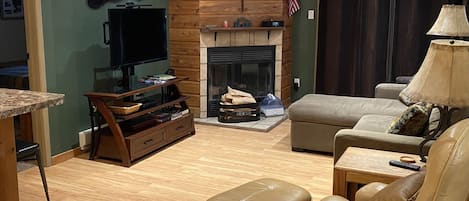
(15, 102)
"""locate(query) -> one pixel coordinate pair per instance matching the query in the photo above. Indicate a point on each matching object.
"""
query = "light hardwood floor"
(214, 160)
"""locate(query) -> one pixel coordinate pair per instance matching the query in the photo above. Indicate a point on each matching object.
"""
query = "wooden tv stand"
(117, 141)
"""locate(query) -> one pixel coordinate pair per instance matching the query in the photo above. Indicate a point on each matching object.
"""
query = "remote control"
(404, 165)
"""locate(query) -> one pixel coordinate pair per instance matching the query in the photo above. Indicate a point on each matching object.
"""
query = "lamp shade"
(443, 78)
(452, 21)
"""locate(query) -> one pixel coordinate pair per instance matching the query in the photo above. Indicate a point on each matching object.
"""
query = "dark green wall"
(73, 48)
(303, 47)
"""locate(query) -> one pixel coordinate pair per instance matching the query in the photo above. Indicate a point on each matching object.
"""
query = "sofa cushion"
(376, 123)
(412, 121)
(341, 110)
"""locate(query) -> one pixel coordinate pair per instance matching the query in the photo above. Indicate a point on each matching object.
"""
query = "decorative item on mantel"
(272, 23)
(238, 106)
(242, 22)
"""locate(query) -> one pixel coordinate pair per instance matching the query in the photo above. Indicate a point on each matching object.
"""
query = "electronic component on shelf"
(162, 117)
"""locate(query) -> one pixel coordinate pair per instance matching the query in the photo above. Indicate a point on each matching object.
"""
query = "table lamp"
(442, 80)
(452, 21)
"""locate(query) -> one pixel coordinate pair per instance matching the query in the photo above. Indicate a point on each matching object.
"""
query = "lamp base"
(443, 124)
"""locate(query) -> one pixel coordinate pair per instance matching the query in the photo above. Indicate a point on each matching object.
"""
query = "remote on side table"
(129, 137)
(363, 166)
(12, 103)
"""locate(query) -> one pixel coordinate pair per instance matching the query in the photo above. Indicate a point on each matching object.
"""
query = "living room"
(218, 158)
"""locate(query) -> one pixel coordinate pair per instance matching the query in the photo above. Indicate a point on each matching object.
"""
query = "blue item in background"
(272, 106)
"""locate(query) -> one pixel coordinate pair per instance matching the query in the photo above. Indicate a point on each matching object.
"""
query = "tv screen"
(137, 36)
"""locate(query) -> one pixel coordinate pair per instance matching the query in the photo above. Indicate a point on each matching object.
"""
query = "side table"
(363, 166)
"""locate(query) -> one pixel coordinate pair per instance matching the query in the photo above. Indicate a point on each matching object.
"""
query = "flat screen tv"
(137, 36)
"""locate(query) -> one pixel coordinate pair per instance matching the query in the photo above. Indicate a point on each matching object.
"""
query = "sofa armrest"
(366, 192)
(389, 90)
(334, 198)
(376, 140)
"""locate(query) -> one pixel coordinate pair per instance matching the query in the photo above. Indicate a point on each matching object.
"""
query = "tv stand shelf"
(126, 138)
(152, 109)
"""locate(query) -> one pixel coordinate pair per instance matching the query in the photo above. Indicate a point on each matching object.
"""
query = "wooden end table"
(363, 166)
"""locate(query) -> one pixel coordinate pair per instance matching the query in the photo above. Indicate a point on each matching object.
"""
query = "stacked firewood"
(236, 97)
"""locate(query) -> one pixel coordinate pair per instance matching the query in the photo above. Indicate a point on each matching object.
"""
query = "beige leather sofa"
(445, 179)
(315, 118)
(370, 132)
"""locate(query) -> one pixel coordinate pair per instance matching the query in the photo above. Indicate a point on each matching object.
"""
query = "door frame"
(315, 70)
(37, 74)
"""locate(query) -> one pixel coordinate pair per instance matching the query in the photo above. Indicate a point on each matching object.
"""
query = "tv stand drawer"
(181, 127)
(145, 142)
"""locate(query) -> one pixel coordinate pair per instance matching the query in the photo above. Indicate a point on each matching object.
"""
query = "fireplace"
(248, 49)
(247, 68)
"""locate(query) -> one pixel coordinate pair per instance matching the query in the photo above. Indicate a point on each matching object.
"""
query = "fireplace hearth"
(246, 68)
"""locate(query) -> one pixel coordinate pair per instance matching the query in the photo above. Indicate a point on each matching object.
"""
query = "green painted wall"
(73, 48)
(303, 47)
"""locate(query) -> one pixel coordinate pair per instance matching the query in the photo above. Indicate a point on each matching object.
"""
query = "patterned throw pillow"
(405, 99)
(412, 121)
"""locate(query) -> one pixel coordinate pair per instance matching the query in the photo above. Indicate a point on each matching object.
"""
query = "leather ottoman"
(264, 190)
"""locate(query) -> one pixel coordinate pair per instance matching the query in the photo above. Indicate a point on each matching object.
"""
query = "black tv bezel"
(131, 64)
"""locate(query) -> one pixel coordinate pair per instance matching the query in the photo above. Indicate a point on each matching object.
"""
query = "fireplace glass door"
(250, 69)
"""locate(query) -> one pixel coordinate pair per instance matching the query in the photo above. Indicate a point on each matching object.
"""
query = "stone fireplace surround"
(235, 38)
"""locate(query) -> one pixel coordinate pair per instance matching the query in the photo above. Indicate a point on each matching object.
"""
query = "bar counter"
(15, 102)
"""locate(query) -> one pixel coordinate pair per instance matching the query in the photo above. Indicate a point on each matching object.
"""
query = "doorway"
(13, 60)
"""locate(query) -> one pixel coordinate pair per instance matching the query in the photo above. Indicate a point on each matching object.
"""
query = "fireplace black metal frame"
(236, 56)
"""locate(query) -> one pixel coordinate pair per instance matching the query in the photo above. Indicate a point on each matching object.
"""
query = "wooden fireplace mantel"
(218, 29)
(215, 30)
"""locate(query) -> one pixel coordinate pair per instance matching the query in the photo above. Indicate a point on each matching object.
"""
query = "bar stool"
(26, 150)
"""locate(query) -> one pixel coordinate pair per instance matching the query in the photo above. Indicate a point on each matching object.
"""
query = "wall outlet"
(310, 14)
(296, 82)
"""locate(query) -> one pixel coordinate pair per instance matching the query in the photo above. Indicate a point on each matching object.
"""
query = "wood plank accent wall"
(184, 47)
(214, 12)
(286, 57)
(186, 17)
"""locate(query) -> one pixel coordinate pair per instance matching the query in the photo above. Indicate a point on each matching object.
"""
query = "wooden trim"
(215, 29)
(315, 70)
(37, 74)
(62, 157)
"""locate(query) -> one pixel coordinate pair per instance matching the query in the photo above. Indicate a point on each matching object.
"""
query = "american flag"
(293, 6)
